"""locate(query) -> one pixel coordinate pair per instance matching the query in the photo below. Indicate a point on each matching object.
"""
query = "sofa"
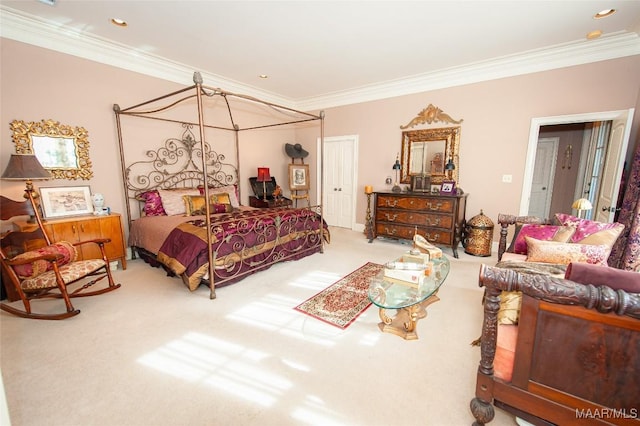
(570, 352)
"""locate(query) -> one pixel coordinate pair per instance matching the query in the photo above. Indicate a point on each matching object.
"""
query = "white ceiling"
(326, 53)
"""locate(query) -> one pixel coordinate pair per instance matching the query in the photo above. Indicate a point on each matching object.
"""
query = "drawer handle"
(391, 203)
(391, 232)
(431, 239)
(435, 222)
(389, 218)
(437, 206)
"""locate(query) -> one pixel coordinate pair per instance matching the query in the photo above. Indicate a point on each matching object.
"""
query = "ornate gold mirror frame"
(61, 149)
(427, 152)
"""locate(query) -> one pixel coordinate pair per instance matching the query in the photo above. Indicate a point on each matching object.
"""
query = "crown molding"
(32, 30)
(29, 29)
(569, 54)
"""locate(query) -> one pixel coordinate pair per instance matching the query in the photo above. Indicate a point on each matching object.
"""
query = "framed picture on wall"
(298, 177)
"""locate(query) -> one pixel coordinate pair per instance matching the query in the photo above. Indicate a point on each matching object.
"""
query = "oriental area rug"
(342, 302)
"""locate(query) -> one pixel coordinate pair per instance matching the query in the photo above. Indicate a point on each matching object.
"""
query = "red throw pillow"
(33, 269)
(617, 279)
(152, 204)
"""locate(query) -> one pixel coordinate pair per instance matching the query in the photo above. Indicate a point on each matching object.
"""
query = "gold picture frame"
(299, 177)
(61, 149)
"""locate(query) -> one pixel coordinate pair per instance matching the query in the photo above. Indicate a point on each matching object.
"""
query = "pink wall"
(38, 84)
(42, 84)
(495, 131)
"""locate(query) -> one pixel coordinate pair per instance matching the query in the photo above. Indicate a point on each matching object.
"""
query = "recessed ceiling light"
(594, 34)
(119, 22)
(48, 2)
(604, 13)
(263, 76)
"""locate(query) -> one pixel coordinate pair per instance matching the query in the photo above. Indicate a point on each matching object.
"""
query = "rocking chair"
(33, 267)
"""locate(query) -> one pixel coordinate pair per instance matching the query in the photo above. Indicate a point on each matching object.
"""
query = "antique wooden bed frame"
(187, 162)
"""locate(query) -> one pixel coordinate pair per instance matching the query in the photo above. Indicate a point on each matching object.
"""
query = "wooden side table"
(81, 228)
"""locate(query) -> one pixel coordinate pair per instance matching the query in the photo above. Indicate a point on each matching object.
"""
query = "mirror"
(62, 150)
(427, 151)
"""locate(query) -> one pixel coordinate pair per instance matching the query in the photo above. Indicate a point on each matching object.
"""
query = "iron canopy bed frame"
(212, 170)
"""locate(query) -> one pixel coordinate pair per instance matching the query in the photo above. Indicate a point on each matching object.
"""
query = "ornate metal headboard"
(178, 164)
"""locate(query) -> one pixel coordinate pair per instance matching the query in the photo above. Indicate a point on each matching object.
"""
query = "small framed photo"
(298, 177)
(63, 201)
(448, 187)
(420, 183)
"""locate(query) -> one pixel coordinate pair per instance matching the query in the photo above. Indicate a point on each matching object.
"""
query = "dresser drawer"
(434, 236)
(415, 218)
(432, 204)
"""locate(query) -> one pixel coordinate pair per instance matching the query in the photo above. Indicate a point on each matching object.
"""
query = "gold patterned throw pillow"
(218, 203)
(565, 253)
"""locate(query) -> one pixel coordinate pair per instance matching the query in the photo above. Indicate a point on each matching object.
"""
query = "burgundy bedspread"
(242, 242)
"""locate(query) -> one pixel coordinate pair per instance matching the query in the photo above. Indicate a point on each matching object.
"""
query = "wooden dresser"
(438, 218)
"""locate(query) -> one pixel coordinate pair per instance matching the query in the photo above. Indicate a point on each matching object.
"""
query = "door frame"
(320, 173)
(534, 132)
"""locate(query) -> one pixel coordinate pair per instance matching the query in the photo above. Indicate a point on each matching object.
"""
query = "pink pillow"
(33, 269)
(591, 231)
(584, 273)
(152, 204)
(561, 234)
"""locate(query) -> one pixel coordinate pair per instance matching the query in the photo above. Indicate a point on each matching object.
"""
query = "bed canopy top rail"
(208, 91)
(189, 142)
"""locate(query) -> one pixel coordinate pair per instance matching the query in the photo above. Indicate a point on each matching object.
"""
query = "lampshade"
(24, 167)
(396, 165)
(582, 204)
(263, 174)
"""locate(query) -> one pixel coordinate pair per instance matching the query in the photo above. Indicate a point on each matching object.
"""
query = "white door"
(605, 207)
(338, 186)
(543, 175)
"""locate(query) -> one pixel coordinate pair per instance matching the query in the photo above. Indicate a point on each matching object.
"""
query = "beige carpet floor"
(153, 353)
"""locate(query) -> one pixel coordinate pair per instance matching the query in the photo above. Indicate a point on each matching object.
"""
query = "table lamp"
(450, 167)
(397, 167)
(264, 177)
(581, 204)
(26, 167)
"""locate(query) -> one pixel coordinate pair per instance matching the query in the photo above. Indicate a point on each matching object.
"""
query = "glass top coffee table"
(410, 301)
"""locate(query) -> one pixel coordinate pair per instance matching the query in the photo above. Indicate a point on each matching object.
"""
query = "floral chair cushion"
(69, 273)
